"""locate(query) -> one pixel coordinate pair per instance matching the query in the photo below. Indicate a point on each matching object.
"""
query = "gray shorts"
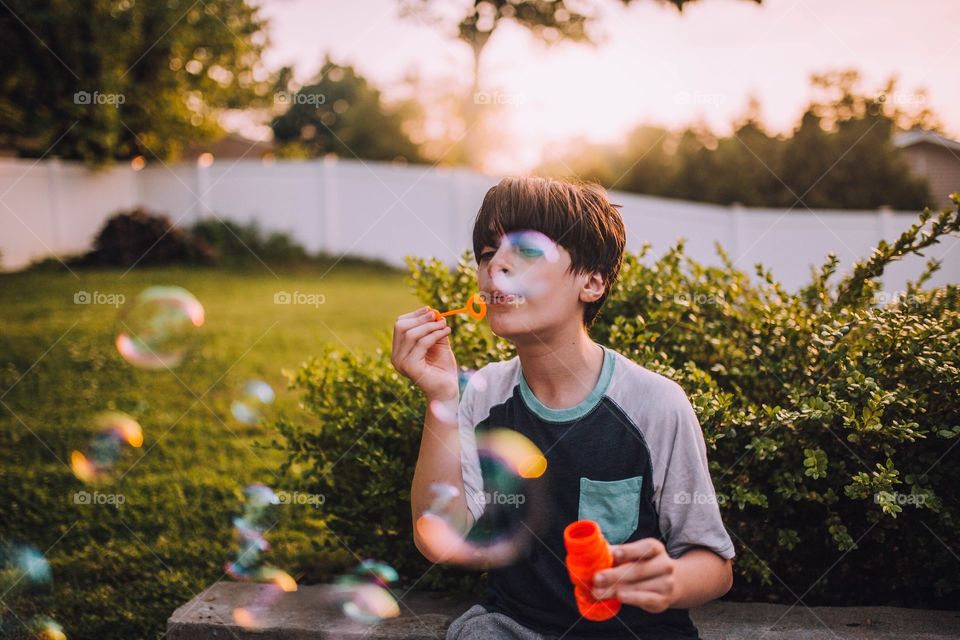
(479, 624)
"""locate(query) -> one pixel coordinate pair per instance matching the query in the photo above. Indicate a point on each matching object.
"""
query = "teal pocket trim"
(613, 504)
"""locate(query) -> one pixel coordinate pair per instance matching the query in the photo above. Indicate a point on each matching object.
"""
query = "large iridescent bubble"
(159, 327)
(511, 468)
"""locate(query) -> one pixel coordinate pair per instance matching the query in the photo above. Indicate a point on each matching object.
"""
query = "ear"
(592, 288)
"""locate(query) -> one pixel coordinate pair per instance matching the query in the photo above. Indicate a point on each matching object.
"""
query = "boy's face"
(530, 291)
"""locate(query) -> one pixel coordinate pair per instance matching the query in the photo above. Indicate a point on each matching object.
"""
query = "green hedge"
(830, 415)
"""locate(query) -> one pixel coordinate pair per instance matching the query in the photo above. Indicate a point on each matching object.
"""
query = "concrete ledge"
(312, 613)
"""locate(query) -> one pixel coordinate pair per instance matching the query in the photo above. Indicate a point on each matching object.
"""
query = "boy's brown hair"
(577, 216)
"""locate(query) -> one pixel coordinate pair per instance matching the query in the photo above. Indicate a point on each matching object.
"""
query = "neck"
(562, 370)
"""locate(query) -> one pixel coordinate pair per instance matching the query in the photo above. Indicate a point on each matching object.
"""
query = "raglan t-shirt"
(631, 457)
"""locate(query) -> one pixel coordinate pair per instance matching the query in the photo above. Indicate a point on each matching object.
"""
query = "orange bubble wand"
(476, 308)
(587, 553)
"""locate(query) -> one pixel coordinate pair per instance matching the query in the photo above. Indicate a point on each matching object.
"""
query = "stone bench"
(312, 613)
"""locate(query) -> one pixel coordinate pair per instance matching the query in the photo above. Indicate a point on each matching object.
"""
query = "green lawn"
(120, 571)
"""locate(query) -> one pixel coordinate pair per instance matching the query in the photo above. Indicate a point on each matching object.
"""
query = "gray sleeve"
(469, 459)
(689, 515)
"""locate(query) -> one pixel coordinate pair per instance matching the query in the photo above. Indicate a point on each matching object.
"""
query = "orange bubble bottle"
(588, 553)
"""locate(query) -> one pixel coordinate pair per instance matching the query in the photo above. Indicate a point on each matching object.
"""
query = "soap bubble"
(466, 376)
(365, 592)
(253, 401)
(250, 528)
(22, 568)
(447, 411)
(247, 564)
(45, 628)
(114, 431)
(511, 467)
(379, 572)
(159, 327)
(531, 245)
(254, 614)
(528, 249)
(370, 604)
(443, 494)
(444, 411)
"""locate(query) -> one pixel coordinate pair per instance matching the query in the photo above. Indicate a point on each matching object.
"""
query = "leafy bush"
(242, 244)
(822, 410)
(139, 237)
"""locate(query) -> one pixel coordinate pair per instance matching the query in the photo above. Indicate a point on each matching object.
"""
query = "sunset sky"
(656, 66)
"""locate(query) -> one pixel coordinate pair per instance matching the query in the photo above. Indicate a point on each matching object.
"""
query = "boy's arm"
(439, 462)
(702, 576)
(421, 351)
(646, 576)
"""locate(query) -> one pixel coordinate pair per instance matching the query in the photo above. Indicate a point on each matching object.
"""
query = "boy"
(622, 443)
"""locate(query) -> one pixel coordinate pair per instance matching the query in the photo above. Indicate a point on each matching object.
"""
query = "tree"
(341, 112)
(114, 79)
(840, 155)
(550, 21)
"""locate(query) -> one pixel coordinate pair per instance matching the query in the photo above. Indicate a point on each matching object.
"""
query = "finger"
(607, 581)
(652, 601)
(419, 350)
(403, 321)
(414, 313)
(657, 584)
(408, 337)
(411, 337)
(639, 550)
(416, 321)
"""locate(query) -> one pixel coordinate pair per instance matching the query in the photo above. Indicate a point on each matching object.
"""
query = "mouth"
(498, 298)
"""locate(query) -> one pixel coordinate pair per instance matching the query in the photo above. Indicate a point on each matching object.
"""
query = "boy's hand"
(422, 353)
(643, 576)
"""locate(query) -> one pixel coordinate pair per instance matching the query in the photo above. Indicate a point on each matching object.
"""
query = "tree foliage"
(110, 79)
(343, 113)
(840, 155)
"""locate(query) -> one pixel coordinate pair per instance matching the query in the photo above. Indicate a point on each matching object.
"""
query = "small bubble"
(114, 431)
(256, 396)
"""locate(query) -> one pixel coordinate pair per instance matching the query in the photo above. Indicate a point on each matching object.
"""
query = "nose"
(500, 262)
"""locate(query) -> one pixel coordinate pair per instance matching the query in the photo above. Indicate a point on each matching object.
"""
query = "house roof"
(919, 136)
(231, 145)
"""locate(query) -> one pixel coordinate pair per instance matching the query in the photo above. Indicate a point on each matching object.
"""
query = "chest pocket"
(613, 504)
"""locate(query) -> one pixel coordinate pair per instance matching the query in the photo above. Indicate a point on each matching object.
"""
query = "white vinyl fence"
(386, 211)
